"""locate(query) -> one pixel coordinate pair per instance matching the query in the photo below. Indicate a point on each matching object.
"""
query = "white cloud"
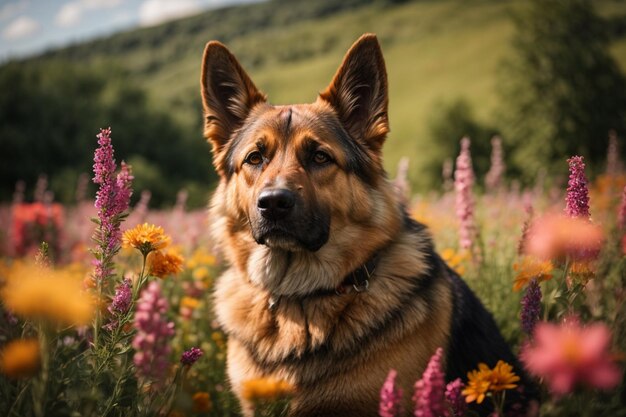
(10, 10)
(152, 12)
(22, 27)
(71, 13)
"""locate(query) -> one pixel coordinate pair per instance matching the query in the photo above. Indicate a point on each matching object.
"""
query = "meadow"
(80, 285)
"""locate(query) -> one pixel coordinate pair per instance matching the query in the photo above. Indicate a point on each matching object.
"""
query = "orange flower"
(477, 384)
(529, 269)
(202, 402)
(162, 264)
(503, 377)
(20, 358)
(145, 237)
(32, 291)
(266, 389)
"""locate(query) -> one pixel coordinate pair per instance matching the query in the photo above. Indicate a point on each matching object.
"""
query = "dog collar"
(357, 281)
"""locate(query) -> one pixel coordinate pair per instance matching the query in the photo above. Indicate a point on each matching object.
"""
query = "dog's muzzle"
(276, 203)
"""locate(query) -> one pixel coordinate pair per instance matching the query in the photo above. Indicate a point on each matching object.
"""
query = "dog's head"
(294, 177)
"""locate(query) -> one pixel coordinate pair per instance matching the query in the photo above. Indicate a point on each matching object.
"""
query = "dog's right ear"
(228, 94)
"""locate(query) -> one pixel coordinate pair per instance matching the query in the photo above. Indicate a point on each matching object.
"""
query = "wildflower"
(454, 260)
(454, 398)
(522, 242)
(152, 341)
(503, 377)
(122, 299)
(577, 199)
(558, 237)
(189, 357)
(266, 389)
(55, 295)
(201, 402)
(477, 384)
(531, 269)
(390, 397)
(145, 237)
(112, 200)
(20, 358)
(463, 181)
(621, 216)
(493, 178)
(569, 354)
(531, 306)
(429, 391)
(161, 264)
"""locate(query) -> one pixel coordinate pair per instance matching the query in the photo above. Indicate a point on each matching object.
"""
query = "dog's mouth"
(292, 236)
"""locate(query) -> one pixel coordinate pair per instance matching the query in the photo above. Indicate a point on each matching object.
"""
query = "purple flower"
(390, 397)
(493, 179)
(577, 199)
(189, 357)
(456, 401)
(531, 307)
(152, 341)
(463, 181)
(122, 299)
(621, 216)
(112, 199)
(429, 391)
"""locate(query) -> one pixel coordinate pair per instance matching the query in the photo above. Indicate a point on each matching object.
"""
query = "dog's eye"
(254, 158)
(320, 157)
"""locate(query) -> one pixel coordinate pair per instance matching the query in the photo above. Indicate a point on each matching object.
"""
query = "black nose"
(276, 203)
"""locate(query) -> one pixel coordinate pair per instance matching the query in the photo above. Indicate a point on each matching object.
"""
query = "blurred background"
(545, 75)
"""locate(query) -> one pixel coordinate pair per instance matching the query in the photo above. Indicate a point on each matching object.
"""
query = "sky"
(28, 27)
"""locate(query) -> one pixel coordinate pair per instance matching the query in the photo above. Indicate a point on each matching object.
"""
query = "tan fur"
(335, 349)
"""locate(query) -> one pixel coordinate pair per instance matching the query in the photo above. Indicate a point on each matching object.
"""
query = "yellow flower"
(189, 302)
(529, 269)
(56, 295)
(145, 237)
(162, 264)
(454, 260)
(201, 273)
(20, 358)
(266, 389)
(478, 384)
(202, 402)
(201, 257)
(484, 380)
(503, 377)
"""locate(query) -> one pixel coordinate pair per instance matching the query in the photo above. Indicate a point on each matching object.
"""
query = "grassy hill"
(437, 51)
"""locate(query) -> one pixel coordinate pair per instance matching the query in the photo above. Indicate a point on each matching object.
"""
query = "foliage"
(563, 91)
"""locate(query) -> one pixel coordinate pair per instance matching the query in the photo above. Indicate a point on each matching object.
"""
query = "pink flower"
(621, 216)
(558, 237)
(455, 399)
(390, 397)
(463, 182)
(569, 354)
(577, 199)
(429, 391)
(493, 179)
(152, 341)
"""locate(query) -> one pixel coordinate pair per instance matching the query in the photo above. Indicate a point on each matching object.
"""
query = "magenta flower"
(531, 307)
(463, 182)
(191, 356)
(621, 216)
(123, 298)
(429, 391)
(112, 199)
(493, 178)
(152, 341)
(390, 397)
(570, 354)
(577, 199)
(457, 406)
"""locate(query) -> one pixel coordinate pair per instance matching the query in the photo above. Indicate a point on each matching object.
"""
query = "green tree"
(562, 91)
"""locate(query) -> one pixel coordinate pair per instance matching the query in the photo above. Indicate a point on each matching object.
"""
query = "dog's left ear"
(358, 93)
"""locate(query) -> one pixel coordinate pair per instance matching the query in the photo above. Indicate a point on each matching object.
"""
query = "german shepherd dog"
(330, 284)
